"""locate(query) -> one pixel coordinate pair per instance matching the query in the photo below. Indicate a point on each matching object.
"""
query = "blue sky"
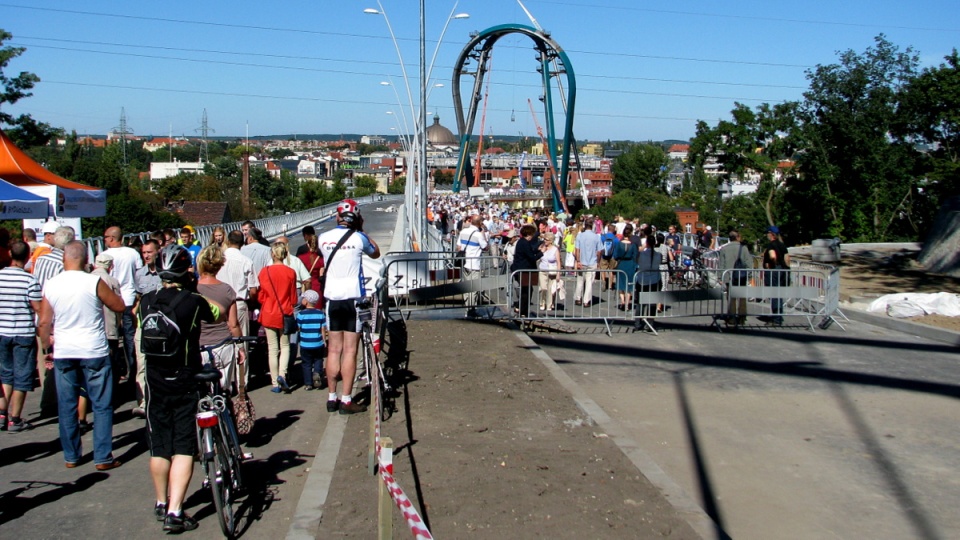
(645, 70)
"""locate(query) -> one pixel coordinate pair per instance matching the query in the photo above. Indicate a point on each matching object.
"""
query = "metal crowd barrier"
(417, 281)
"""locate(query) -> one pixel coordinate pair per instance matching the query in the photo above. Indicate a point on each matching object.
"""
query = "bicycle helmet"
(347, 205)
(348, 212)
(173, 263)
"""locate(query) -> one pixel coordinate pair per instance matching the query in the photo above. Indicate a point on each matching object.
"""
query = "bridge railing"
(271, 227)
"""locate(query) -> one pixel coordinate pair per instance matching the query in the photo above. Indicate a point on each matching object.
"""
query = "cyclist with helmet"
(344, 285)
(171, 392)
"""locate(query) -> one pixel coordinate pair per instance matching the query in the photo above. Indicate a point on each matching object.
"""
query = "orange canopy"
(20, 170)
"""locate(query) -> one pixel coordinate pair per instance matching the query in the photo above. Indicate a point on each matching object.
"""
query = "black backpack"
(162, 336)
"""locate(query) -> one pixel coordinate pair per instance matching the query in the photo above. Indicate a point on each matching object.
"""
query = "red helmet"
(347, 205)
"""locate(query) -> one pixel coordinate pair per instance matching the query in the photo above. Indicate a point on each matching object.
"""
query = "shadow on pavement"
(13, 506)
(265, 428)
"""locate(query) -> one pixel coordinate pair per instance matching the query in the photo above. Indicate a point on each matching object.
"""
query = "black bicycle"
(366, 307)
(220, 451)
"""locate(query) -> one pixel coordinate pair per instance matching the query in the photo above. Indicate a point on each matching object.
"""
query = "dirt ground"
(872, 274)
(489, 445)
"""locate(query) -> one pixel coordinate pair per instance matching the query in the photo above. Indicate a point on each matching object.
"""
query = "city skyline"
(642, 73)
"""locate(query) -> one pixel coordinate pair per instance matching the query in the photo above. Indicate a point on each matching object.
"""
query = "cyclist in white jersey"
(344, 285)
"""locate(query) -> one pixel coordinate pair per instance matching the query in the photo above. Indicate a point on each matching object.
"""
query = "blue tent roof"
(16, 203)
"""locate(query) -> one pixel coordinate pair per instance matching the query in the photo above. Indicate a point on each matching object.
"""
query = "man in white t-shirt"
(126, 262)
(73, 302)
(344, 286)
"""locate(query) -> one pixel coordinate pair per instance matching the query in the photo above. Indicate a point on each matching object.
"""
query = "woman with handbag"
(209, 262)
(278, 296)
(549, 266)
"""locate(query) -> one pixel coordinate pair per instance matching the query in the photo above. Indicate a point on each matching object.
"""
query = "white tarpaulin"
(905, 305)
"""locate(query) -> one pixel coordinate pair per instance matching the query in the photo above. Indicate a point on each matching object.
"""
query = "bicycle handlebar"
(231, 339)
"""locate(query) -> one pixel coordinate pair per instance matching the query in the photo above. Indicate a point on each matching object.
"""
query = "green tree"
(930, 115)
(23, 129)
(398, 186)
(641, 167)
(857, 174)
(753, 142)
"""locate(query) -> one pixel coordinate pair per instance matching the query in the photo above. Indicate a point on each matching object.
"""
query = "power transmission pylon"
(123, 130)
(205, 130)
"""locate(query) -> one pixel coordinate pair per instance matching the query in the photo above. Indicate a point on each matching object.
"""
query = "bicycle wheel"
(221, 486)
(370, 359)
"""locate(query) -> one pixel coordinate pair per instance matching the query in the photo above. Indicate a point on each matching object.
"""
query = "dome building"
(440, 138)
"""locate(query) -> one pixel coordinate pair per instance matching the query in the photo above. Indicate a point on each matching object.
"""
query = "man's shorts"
(18, 360)
(171, 422)
(607, 264)
(342, 316)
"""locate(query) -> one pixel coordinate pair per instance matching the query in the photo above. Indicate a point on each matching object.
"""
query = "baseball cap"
(49, 227)
(773, 229)
(311, 296)
(709, 228)
(103, 259)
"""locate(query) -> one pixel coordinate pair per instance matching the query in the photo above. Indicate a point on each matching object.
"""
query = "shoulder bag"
(243, 409)
(461, 255)
(289, 321)
(740, 275)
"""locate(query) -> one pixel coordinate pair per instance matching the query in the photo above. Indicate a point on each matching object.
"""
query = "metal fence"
(434, 281)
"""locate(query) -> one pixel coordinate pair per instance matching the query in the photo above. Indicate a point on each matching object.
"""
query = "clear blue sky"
(645, 70)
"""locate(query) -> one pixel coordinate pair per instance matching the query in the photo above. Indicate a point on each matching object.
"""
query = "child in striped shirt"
(313, 346)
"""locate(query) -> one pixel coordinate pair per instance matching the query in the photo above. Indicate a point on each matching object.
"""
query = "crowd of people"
(140, 313)
(625, 255)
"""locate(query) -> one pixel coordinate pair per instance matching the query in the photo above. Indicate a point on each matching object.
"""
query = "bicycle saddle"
(207, 374)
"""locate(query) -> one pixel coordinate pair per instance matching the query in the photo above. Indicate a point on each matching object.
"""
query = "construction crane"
(554, 177)
(483, 121)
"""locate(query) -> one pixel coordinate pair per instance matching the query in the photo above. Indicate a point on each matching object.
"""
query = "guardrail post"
(385, 506)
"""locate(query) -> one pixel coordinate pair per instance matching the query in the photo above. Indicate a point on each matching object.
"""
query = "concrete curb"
(907, 327)
(686, 507)
(306, 518)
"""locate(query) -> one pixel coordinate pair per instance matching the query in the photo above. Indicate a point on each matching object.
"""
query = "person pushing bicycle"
(169, 320)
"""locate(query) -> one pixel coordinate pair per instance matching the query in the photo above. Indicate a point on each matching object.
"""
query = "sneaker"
(22, 425)
(333, 405)
(308, 387)
(160, 511)
(3, 422)
(276, 390)
(318, 381)
(178, 524)
(282, 383)
(352, 408)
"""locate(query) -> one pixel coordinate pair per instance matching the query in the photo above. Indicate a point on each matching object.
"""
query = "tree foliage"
(22, 129)
(641, 167)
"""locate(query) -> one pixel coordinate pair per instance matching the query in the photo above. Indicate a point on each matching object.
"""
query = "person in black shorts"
(344, 286)
(171, 393)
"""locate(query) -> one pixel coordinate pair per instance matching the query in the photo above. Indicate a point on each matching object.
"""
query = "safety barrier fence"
(434, 281)
(381, 449)
(270, 227)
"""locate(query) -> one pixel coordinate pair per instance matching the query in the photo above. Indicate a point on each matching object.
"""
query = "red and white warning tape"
(414, 521)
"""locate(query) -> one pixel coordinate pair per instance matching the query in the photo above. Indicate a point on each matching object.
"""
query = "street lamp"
(418, 206)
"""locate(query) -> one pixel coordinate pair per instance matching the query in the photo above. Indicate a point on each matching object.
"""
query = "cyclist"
(344, 286)
(171, 391)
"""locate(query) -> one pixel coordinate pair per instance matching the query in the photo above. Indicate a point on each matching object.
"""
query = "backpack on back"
(161, 334)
